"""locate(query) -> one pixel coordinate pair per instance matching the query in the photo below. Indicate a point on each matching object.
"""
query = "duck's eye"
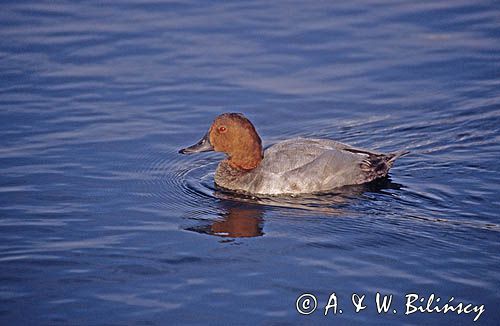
(222, 129)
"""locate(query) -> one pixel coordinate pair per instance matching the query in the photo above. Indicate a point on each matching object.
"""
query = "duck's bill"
(202, 146)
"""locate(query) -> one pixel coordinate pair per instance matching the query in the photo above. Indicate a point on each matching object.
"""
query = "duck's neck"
(246, 158)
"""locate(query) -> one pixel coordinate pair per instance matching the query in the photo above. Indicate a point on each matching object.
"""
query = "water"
(102, 222)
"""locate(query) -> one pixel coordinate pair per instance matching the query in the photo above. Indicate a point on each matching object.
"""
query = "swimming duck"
(294, 166)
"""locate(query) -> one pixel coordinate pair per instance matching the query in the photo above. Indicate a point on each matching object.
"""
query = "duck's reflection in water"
(243, 216)
(238, 220)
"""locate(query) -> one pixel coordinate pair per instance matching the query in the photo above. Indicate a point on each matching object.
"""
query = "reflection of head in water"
(238, 220)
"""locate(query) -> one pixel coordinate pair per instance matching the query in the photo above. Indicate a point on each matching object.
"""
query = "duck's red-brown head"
(235, 135)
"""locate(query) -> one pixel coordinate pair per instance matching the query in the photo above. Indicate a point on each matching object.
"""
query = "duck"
(290, 167)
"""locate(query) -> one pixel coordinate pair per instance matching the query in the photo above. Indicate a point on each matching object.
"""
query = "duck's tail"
(378, 165)
(391, 157)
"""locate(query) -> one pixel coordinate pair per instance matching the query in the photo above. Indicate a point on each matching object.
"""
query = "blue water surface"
(102, 222)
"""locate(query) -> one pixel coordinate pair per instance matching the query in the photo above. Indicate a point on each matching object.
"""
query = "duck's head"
(235, 135)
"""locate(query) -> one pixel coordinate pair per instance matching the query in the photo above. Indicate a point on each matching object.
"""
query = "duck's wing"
(294, 153)
(308, 165)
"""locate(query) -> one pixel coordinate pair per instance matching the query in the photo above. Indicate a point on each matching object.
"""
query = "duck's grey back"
(294, 153)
